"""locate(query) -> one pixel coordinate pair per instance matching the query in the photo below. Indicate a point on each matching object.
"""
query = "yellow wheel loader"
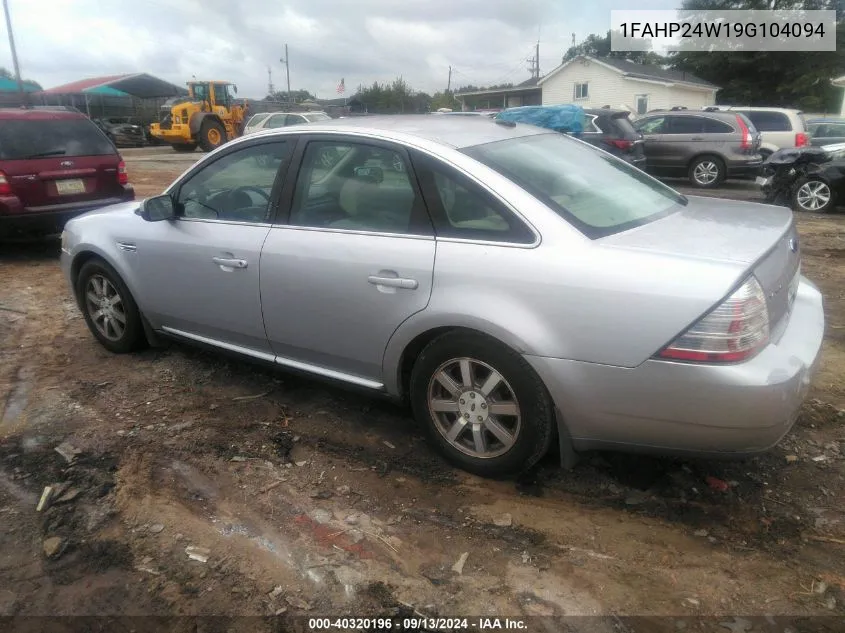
(207, 117)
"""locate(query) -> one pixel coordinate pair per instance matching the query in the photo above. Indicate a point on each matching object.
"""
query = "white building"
(619, 83)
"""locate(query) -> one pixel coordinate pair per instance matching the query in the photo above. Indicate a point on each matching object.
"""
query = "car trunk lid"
(761, 239)
(51, 181)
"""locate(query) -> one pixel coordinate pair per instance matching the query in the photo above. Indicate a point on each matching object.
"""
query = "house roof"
(526, 86)
(634, 70)
(139, 85)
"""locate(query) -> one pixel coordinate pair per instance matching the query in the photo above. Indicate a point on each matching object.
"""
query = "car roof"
(457, 132)
(765, 109)
(26, 114)
(713, 114)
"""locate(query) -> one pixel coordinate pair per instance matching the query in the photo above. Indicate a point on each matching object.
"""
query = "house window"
(642, 104)
(581, 91)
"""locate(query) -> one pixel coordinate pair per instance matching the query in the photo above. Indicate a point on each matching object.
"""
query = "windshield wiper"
(52, 152)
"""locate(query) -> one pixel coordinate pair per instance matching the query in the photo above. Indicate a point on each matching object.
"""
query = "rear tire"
(184, 147)
(108, 307)
(496, 431)
(707, 172)
(212, 135)
(813, 195)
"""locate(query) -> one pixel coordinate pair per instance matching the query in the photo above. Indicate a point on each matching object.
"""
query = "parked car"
(807, 178)
(779, 127)
(260, 122)
(826, 131)
(572, 298)
(123, 131)
(706, 147)
(55, 164)
(612, 131)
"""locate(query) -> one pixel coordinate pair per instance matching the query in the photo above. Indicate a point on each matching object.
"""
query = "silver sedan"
(517, 287)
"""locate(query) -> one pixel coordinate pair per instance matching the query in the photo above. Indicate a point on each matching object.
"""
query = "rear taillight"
(620, 143)
(122, 176)
(746, 135)
(801, 139)
(735, 331)
(5, 187)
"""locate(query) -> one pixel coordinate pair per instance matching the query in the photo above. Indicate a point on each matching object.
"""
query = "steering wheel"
(252, 188)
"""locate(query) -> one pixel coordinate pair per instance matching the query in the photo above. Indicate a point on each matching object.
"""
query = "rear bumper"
(16, 218)
(682, 408)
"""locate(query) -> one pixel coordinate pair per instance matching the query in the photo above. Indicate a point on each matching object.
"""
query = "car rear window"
(317, 116)
(21, 139)
(766, 121)
(598, 194)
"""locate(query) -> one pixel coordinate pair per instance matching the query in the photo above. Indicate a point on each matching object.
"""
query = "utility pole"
(14, 52)
(285, 61)
(537, 61)
(270, 87)
(449, 84)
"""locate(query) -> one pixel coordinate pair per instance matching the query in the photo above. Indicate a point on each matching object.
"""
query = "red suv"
(55, 164)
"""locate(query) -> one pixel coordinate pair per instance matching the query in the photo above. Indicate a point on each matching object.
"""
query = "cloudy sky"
(485, 41)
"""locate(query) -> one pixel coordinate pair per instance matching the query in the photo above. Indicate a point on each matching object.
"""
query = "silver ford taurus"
(516, 286)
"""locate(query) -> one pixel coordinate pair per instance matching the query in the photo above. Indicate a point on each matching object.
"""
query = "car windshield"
(596, 192)
(317, 116)
(37, 138)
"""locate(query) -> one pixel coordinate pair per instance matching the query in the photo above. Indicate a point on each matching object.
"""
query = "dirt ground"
(302, 499)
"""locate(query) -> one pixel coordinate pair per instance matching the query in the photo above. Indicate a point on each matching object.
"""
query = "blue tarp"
(568, 119)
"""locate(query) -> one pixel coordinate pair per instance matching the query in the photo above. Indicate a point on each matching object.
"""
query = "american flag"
(341, 87)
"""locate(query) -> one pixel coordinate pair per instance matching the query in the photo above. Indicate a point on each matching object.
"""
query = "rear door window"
(42, 138)
(712, 126)
(685, 125)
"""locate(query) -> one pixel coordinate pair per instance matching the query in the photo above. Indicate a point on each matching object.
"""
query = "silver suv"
(780, 127)
(707, 147)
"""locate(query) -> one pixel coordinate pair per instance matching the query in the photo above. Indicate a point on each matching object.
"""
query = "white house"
(619, 83)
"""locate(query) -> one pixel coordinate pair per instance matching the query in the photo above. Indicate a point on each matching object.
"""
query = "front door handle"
(229, 262)
(393, 282)
(697, 138)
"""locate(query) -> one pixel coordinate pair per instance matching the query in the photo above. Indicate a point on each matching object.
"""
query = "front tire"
(481, 404)
(707, 172)
(813, 195)
(108, 307)
(212, 135)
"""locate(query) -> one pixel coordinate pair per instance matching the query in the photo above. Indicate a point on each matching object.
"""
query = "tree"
(397, 97)
(599, 46)
(297, 95)
(792, 79)
(5, 73)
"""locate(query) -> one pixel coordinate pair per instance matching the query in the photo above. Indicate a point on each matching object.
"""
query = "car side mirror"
(158, 208)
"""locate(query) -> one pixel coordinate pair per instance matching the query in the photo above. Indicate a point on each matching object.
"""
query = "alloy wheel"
(474, 408)
(706, 172)
(813, 195)
(105, 307)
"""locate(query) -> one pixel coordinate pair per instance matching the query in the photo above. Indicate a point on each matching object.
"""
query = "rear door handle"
(697, 138)
(393, 282)
(229, 262)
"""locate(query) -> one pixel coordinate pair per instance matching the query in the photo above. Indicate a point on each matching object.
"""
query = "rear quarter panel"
(563, 299)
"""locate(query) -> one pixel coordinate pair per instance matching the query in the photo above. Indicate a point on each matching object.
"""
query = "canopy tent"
(113, 95)
(140, 85)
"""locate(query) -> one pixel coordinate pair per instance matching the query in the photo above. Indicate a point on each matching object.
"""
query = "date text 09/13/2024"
(415, 624)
